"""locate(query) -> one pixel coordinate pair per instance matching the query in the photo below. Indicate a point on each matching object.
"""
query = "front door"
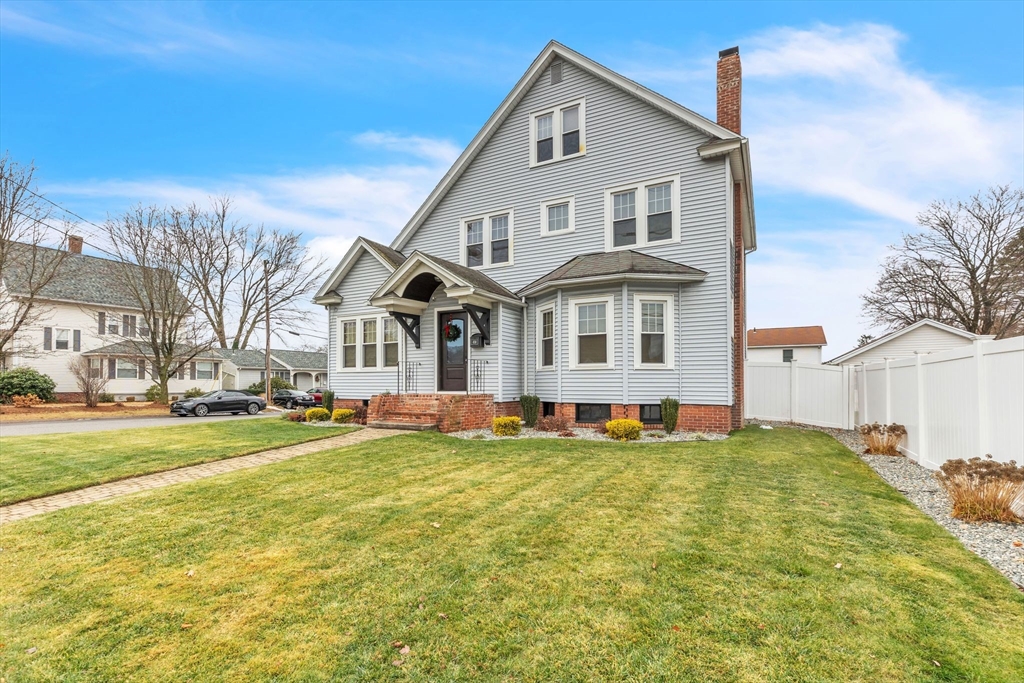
(452, 333)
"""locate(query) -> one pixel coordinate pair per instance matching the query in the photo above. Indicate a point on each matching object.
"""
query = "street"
(106, 425)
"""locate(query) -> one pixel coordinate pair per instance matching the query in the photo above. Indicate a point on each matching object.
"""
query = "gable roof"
(388, 257)
(902, 331)
(613, 265)
(812, 335)
(457, 273)
(80, 278)
(250, 358)
(555, 50)
(300, 360)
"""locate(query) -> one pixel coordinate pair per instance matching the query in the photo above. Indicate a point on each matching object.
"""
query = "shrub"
(153, 393)
(295, 416)
(317, 415)
(552, 423)
(669, 414)
(23, 381)
(130, 399)
(194, 392)
(360, 417)
(624, 429)
(882, 439)
(984, 490)
(276, 384)
(106, 398)
(601, 427)
(530, 406)
(26, 401)
(341, 415)
(328, 401)
(507, 426)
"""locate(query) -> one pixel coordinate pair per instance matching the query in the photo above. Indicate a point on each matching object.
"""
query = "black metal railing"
(477, 376)
(406, 376)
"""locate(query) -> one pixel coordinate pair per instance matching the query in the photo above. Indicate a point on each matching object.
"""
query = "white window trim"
(670, 324)
(546, 308)
(641, 213)
(544, 205)
(609, 333)
(360, 362)
(556, 132)
(486, 218)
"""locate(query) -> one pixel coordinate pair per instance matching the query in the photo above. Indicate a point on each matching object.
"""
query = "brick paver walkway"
(124, 487)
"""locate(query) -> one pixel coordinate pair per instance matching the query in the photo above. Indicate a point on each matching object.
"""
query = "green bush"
(342, 415)
(24, 381)
(106, 398)
(531, 406)
(507, 426)
(317, 415)
(624, 429)
(328, 401)
(669, 414)
(276, 384)
(194, 392)
(153, 393)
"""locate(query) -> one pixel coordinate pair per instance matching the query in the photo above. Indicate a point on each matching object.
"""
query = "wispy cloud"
(440, 151)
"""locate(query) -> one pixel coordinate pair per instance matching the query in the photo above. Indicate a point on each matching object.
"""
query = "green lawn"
(553, 560)
(33, 466)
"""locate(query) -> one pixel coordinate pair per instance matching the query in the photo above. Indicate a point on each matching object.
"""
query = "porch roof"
(408, 289)
(613, 266)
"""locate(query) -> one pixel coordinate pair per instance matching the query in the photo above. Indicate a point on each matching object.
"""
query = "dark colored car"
(223, 401)
(293, 398)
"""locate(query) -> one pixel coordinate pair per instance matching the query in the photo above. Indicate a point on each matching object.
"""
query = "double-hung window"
(62, 339)
(558, 133)
(642, 214)
(558, 216)
(653, 330)
(488, 240)
(370, 343)
(591, 331)
(390, 333)
(348, 344)
(95, 368)
(204, 370)
(547, 338)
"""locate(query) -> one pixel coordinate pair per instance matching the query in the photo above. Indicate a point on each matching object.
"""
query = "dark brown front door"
(451, 336)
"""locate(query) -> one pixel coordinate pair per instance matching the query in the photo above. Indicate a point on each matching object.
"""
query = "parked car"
(318, 394)
(233, 402)
(292, 398)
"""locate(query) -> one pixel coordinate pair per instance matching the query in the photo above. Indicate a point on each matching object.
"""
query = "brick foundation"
(446, 412)
(693, 418)
(508, 409)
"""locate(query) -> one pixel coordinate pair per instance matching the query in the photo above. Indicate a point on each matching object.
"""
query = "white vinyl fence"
(959, 403)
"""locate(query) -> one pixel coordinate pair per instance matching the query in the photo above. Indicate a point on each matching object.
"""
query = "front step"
(407, 426)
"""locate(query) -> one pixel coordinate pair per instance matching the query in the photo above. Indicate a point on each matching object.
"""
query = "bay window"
(592, 339)
(558, 133)
(652, 330)
(95, 368)
(547, 338)
(127, 369)
(642, 214)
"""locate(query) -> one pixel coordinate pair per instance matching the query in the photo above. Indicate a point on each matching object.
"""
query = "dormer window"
(558, 133)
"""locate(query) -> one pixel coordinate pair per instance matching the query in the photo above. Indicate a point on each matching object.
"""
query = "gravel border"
(991, 541)
(587, 434)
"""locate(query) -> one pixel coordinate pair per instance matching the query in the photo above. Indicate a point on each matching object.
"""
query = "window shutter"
(191, 370)
(47, 338)
(102, 318)
(125, 322)
(111, 368)
(77, 344)
(181, 372)
(216, 370)
(142, 368)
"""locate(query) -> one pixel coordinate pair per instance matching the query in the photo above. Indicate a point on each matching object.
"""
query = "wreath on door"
(452, 332)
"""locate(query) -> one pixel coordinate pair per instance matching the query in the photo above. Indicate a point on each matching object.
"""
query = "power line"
(65, 233)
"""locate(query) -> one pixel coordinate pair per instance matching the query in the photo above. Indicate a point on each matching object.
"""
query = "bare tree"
(964, 269)
(146, 249)
(91, 381)
(223, 262)
(27, 266)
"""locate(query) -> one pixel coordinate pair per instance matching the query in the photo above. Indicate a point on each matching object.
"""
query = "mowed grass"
(552, 560)
(34, 466)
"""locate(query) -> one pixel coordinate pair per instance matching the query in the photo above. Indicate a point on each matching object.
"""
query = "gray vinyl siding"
(511, 340)
(366, 275)
(543, 382)
(626, 141)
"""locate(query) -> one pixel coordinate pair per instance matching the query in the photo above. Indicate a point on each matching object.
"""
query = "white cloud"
(439, 151)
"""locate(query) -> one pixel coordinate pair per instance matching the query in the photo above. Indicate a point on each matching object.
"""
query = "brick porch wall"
(508, 409)
(449, 412)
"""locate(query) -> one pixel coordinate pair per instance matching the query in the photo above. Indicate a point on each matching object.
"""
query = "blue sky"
(337, 119)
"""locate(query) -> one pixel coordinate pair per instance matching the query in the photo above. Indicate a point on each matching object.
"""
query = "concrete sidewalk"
(124, 487)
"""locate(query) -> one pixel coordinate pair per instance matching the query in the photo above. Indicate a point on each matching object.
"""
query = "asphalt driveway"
(106, 425)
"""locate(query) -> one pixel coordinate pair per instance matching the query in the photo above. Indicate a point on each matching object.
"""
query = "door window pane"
(455, 351)
(499, 239)
(545, 148)
(369, 343)
(659, 212)
(624, 218)
(475, 243)
(558, 217)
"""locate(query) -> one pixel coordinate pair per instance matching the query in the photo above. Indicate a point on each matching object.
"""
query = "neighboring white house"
(785, 344)
(924, 336)
(245, 367)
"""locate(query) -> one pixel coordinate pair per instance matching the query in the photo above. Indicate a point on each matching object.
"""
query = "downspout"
(526, 347)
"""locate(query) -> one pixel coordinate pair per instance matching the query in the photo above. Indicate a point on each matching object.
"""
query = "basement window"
(650, 414)
(593, 412)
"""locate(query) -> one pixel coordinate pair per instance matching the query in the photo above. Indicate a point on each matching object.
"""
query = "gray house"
(588, 247)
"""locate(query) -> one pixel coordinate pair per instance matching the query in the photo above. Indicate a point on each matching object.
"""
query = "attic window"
(556, 73)
(558, 133)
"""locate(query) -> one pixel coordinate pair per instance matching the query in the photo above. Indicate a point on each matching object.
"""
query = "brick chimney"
(730, 89)
(74, 244)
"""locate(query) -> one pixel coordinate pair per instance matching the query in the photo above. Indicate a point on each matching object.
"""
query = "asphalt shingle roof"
(613, 263)
(249, 358)
(392, 256)
(301, 360)
(472, 277)
(139, 348)
(812, 335)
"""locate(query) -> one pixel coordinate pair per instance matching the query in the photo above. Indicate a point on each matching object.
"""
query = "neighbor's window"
(652, 330)
(204, 370)
(624, 219)
(650, 414)
(593, 412)
(545, 138)
(475, 243)
(592, 334)
(127, 369)
(62, 339)
(348, 344)
(95, 368)
(488, 240)
(369, 343)
(499, 239)
(558, 133)
(390, 342)
(655, 220)
(787, 355)
(547, 338)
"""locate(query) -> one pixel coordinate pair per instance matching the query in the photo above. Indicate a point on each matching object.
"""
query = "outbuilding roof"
(812, 335)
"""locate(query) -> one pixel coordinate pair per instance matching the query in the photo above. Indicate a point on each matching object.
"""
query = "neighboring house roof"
(723, 141)
(300, 360)
(249, 359)
(615, 265)
(130, 348)
(904, 330)
(80, 278)
(389, 258)
(812, 335)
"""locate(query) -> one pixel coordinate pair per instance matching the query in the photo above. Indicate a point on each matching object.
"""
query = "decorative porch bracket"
(482, 319)
(410, 323)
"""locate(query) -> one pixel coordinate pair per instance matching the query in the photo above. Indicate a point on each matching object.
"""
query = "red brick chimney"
(74, 244)
(730, 89)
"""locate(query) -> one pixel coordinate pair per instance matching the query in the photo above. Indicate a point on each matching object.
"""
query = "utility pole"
(266, 295)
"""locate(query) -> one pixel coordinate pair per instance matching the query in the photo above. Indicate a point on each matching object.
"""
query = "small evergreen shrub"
(552, 423)
(530, 406)
(317, 415)
(106, 398)
(669, 414)
(23, 381)
(341, 415)
(507, 426)
(882, 439)
(296, 416)
(153, 393)
(194, 392)
(984, 490)
(328, 401)
(624, 429)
